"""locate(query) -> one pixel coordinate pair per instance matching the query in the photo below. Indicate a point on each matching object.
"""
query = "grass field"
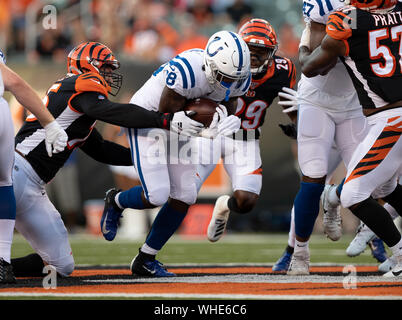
(233, 248)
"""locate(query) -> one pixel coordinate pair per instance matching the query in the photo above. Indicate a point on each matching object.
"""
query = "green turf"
(240, 248)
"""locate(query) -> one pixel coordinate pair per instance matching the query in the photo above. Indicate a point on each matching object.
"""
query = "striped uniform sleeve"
(91, 82)
(179, 75)
(338, 27)
(291, 74)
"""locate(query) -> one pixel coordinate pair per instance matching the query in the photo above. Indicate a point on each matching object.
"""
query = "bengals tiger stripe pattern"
(380, 149)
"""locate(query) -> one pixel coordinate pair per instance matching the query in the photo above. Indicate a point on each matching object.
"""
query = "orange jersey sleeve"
(338, 26)
(92, 82)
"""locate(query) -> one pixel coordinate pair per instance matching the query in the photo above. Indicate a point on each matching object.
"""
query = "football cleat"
(111, 215)
(377, 249)
(396, 270)
(300, 264)
(149, 268)
(219, 219)
(363, 236)
(6, 272)
(332, 219)
(282, 265)
(387, 265)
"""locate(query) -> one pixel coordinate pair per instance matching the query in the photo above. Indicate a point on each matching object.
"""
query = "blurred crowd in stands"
(146, 30)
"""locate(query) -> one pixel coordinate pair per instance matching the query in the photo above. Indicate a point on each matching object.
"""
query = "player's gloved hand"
(56, 138)
(212, 131)
(227, 125)
(290, 101)
(183, 124)
(289, 129)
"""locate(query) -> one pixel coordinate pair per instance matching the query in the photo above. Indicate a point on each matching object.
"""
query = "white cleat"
(387, 265)
(300, 264)
(220, 216)
(332, 219)
(396, 270)
(363, 236)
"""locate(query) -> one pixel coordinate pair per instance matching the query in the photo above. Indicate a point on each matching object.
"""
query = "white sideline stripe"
(247, 278)
(204, 296)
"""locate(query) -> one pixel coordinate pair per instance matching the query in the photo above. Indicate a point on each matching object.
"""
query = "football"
(205, 109)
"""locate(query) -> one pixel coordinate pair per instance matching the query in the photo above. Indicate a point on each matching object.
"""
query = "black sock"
(289, 249)
(232, 204)
(395, 199)
(378, 220)
(145, 256)
(29, 266)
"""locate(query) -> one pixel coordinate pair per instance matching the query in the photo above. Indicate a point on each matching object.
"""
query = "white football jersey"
(337, 82)
(184, 75)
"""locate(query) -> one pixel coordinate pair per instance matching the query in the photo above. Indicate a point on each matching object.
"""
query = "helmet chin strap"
(227, 85)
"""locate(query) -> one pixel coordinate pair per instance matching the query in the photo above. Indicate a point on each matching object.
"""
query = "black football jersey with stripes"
(30, 140)
(374, 52)
(252, 107)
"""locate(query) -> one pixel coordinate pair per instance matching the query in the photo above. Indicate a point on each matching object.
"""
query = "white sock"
(301, 247)
(6, 238)
(292, 234)
(148, 250)
(116, 199)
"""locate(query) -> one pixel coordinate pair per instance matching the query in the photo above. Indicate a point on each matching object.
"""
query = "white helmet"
(226, 59)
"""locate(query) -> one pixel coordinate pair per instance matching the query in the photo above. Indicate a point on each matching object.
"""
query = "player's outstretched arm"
(56, 137)
(322, 58)
(25, 95)
(106, 151)
(129, 115)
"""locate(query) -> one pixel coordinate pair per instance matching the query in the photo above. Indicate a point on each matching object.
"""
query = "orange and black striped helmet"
(373, 4)
(260, 33)
(91, 57)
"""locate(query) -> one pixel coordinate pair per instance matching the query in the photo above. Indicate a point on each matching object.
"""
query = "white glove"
(212, 131)
(227, 125)
(183, 124)
(56, 138)
(291, 99)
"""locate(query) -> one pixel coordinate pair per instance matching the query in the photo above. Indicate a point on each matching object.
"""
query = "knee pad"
(349, 196)
(65, 266)
(159, 196)
(187, 196)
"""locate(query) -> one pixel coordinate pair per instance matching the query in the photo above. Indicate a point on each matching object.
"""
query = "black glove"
(289, 129)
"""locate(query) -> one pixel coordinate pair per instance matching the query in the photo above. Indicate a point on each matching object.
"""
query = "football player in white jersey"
(329, 112)
(241, 152)
(221, 73)
(56, 140)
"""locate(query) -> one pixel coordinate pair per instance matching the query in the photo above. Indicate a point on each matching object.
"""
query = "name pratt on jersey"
(387, 19)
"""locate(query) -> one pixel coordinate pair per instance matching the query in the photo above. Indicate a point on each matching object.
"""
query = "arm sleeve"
(97, 106)
(106, 151)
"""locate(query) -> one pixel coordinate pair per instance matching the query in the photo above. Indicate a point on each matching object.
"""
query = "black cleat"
(6, 272)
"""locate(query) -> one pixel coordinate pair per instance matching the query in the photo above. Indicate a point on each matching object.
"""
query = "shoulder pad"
(91, 81)
(339, 25)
